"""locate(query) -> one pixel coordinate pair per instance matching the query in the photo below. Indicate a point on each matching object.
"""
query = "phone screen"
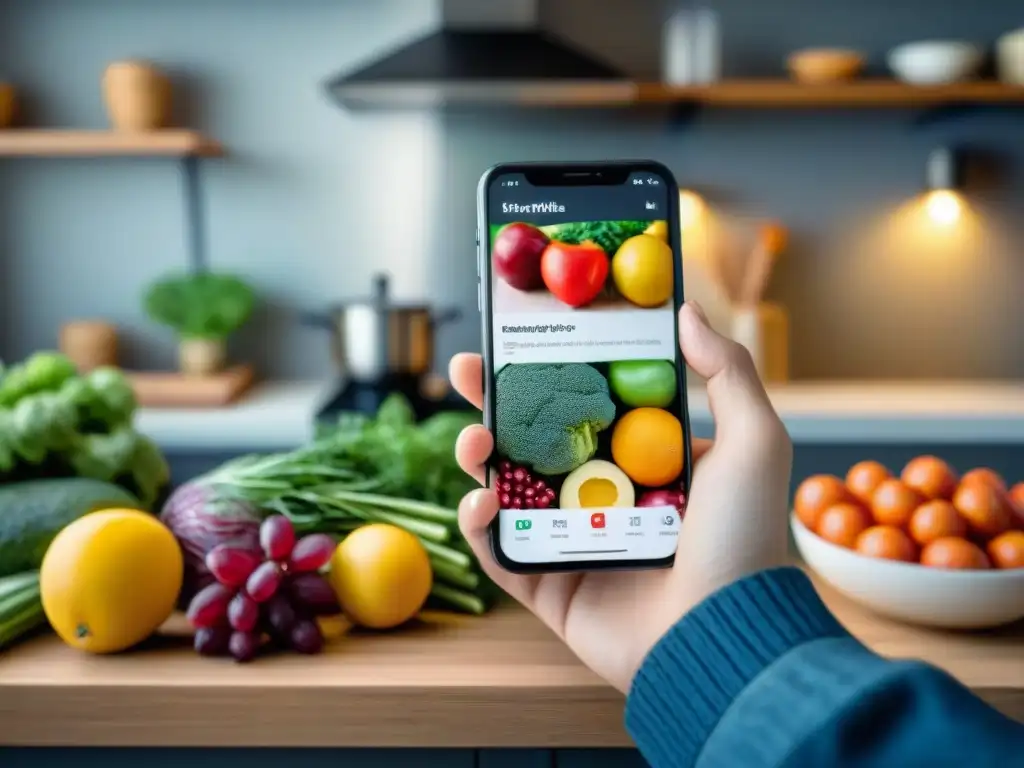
(587, 386)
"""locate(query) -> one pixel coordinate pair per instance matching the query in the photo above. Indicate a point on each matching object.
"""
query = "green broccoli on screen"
(548, 414)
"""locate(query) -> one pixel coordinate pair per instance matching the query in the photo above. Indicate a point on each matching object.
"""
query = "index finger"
(466, 372)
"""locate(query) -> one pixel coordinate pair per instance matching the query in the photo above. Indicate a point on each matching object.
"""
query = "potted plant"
(204, 310)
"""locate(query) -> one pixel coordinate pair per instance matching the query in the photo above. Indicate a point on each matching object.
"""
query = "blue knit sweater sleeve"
(762, 675)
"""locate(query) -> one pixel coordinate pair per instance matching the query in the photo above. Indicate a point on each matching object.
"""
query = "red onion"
(663, 498)
(200, 522)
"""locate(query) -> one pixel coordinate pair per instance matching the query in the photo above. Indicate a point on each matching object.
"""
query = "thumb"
(739, 403)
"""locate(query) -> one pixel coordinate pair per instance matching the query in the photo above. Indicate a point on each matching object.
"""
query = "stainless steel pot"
(373, 338)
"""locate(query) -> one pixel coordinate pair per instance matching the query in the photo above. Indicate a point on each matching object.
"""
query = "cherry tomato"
(575, 274)
(816, 494)
(954, 552)
(1017, 502)
(930, 476)
(886, 542)
(1007, 550)
(984, 507)
(986, 475)
(893, 503)
(843, 523)
(937, 519)
(864, 477)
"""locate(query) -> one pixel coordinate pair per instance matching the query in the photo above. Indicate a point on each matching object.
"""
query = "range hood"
(481, 56)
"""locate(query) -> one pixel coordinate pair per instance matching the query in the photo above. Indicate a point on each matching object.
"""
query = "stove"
(426, 395)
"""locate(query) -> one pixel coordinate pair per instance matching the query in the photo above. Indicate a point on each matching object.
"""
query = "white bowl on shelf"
(1010, 57)
(916, 594)
(936, 62)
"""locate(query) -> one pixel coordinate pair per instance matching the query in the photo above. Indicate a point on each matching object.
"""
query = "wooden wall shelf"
(738, 94)
(61, 143)
(865, 93)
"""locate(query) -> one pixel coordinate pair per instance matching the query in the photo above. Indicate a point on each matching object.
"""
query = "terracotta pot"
(201, 357)
(137, 96)
(7, 105)
(89, 344)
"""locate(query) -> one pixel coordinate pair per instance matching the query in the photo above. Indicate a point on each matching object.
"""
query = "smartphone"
(580, 281)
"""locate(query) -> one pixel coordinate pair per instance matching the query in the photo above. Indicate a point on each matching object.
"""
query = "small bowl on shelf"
(1010, 57)
(913, 593)
(820, 66)
(936, 62)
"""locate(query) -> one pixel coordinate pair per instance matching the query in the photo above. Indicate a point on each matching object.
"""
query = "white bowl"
(935, 62)
(935, 597)
(1010, 57)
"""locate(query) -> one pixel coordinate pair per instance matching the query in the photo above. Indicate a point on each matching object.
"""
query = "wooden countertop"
(498, 681)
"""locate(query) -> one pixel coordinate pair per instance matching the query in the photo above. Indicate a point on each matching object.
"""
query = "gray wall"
(314, 199)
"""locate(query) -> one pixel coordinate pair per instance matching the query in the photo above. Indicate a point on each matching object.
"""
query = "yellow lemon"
(658, 229)
(643, 272)
(110, 579)
(381, 575)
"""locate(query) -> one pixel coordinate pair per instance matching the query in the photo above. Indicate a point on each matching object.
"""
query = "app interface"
(588, 417)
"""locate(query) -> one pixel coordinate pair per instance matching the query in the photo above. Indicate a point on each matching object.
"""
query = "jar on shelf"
(137, 96)
(7, 104)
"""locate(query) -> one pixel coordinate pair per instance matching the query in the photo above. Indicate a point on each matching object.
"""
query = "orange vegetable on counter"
(816, 494)
(864, 477)
(894, 502)
(886, 542)
(843, 523)
(954, 552)
(984, 506)
(930, 476)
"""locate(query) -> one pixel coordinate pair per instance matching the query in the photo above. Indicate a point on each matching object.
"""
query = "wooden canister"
(764, 331)
(89, 344)
(137, 96)
(7, 105)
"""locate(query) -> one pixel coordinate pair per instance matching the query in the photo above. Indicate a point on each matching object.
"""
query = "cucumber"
(21, 607)
(34, 511)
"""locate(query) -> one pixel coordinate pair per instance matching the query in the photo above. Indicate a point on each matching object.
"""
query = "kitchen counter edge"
(280, 415)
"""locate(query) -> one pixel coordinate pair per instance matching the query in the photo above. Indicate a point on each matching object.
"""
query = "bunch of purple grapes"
(275, 591)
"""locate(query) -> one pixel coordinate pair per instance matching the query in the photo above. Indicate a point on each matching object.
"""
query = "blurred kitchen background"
(892, 315)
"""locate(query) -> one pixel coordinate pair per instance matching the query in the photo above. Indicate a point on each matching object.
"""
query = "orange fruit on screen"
(985, 475)
(887, 543)
(864, 477)
(816, 494)
(936, 519)
(930, 476)
(893, 503)
(954, 552)
(647, 444)
(1007, 550)
(984, 507)
(843, 523)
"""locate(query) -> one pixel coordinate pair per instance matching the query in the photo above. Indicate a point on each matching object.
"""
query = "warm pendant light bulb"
(944, 207)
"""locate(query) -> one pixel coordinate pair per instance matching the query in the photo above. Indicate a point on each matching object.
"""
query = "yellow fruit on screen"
(643, 272)
(110, 579)
(381, 575)
(658, 229)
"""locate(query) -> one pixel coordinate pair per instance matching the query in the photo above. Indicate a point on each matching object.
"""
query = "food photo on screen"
(580, 266)
(589, 435)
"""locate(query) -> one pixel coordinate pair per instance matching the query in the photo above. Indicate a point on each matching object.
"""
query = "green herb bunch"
(200, 306)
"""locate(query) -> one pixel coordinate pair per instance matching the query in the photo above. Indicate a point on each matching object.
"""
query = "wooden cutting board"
(160, 389)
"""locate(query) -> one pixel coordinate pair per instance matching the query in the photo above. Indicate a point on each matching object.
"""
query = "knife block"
(764, 331)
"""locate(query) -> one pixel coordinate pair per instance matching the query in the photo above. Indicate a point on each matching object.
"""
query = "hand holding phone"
(735, 521)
